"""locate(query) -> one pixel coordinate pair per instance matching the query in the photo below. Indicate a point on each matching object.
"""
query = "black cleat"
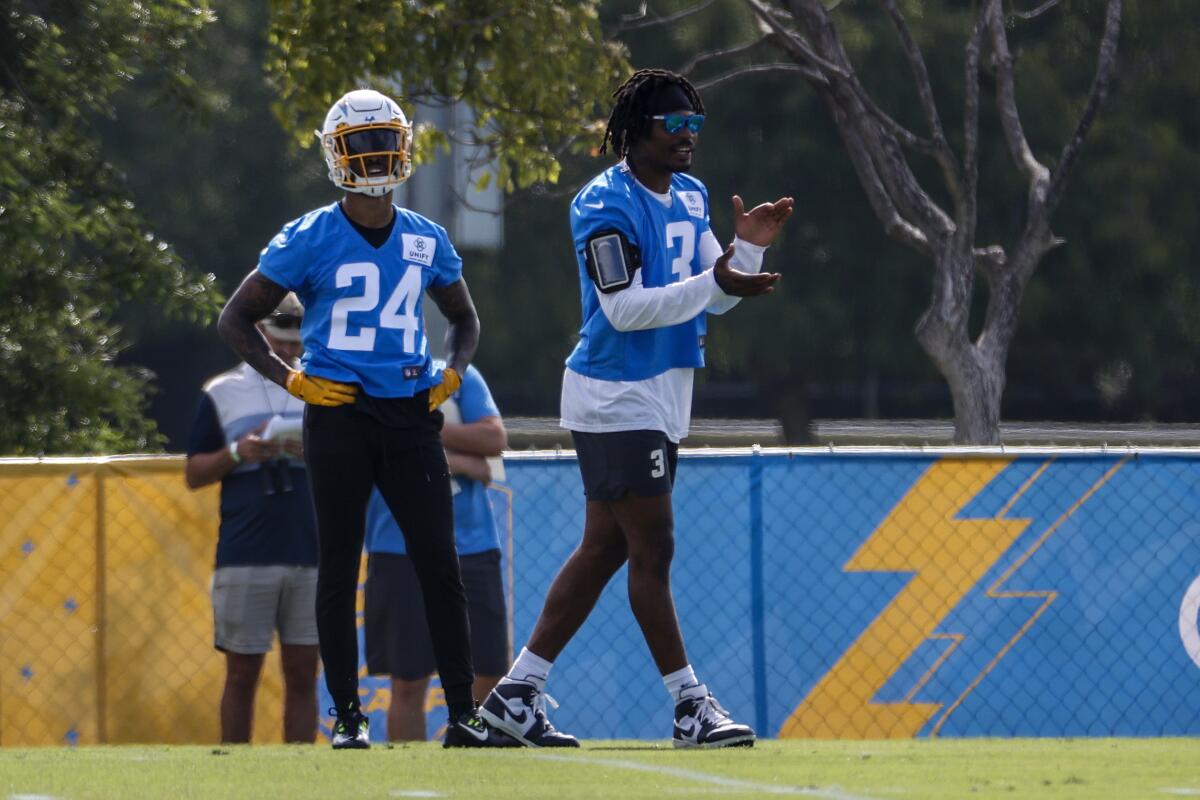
(469, 730)
(518, 709)
(350, 730)
(701, 722)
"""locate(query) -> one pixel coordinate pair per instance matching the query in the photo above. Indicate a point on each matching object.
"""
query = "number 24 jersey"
(363, 320)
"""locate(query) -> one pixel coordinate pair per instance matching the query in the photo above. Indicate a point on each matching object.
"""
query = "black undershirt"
(374, 236)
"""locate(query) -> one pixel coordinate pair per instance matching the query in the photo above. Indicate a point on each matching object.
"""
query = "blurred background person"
(397, 637)
(246, 435)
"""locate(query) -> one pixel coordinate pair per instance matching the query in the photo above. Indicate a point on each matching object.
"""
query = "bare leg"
(237, 700)
(299, 663)
(578, 584)
(648, 524)
(406, 713)
(484, 684)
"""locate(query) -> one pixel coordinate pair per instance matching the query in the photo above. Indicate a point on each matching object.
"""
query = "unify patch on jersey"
(694, 203)
(418, 249)
(412, 373)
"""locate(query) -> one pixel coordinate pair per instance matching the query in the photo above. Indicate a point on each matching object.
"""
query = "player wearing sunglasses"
(651, 271)
(362, 267)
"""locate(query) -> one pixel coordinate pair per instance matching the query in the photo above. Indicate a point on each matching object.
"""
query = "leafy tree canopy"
(74, 247)
(533, 70)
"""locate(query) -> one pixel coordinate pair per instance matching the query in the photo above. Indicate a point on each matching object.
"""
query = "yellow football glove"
(319, 391)
(449, 385)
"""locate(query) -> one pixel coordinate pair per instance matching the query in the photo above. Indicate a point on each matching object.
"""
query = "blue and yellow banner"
(874, 595)
(835, 595)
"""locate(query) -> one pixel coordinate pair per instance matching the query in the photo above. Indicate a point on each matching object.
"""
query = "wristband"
(233, 453)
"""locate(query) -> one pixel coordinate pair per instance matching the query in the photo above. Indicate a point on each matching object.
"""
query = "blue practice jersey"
(669, 240)
(474, 523)
(362, 306)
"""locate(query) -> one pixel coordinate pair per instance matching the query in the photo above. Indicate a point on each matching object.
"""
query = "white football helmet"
(366, 141)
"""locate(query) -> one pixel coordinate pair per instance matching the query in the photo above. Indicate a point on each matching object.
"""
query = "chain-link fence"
(871, 593)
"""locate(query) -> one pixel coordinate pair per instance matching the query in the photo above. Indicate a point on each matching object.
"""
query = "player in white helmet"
(361, 267)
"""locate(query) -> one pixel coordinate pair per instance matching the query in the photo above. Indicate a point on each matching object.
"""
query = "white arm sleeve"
(747, 257)
(638, 308)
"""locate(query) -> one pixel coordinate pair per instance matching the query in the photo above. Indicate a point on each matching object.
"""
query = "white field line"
(830, 793)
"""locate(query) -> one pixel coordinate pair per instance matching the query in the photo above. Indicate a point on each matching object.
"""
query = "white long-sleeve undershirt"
(638, 307)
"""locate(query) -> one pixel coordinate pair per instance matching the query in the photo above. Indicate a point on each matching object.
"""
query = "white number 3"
(660, 465)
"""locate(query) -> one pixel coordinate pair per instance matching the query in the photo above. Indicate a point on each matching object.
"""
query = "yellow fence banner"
(106, 630)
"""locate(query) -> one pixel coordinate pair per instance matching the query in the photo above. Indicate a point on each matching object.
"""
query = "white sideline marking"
(32, 797)
(413, 793)
(1181, 791)
(831, 793)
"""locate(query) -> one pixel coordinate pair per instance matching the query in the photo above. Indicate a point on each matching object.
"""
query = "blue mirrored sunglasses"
(674, 122)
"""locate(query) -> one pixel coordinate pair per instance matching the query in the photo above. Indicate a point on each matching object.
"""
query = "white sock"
(531, 668)
(680, 679)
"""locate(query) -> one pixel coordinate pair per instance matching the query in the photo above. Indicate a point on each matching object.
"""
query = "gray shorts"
(251, 603)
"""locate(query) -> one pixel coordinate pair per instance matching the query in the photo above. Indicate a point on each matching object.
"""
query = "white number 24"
(399, 312)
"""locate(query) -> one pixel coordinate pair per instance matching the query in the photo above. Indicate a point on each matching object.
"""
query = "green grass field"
(1095, 769)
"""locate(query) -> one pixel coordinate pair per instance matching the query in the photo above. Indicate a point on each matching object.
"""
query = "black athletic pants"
(348, 451)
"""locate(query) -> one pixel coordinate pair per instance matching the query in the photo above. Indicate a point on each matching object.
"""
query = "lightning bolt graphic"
(947, 557)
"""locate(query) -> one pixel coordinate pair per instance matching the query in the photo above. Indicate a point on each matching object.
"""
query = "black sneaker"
(701, 722)
(350, 730)
(518, 709)
(471, 731)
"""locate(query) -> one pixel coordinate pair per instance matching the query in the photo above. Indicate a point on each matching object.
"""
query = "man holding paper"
(246, 435)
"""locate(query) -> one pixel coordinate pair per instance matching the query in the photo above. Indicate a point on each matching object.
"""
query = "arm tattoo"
(255, 299)
(462, 335)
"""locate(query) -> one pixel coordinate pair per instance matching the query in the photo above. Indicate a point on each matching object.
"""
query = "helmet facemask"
(371, 159)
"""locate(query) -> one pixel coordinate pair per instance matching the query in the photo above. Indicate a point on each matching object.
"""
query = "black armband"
(611, 260)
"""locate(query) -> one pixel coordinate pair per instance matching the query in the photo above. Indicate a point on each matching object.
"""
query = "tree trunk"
(974, 373)
(976, 391)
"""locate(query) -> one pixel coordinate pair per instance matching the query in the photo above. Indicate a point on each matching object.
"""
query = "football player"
(650, 271)
(361, 267)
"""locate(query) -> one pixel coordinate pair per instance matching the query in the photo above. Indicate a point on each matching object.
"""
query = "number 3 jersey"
(363, 320)
(667, 239)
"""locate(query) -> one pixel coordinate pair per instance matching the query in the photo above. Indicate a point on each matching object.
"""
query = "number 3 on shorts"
(660, 465)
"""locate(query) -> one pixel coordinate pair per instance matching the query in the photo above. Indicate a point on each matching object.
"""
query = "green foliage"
(74, 247)
(536, 72)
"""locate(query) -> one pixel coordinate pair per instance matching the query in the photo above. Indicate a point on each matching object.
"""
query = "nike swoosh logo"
(479, 735)
(517, 716)
(597, 204)
(687, 727)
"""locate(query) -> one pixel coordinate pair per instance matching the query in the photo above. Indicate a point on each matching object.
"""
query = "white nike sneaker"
(518, 709)
(701, 722)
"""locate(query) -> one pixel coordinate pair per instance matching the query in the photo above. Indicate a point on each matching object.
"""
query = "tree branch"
(1105, 65)
(916, 63)
(793, 43)
(714, 54)
(894, 224)
(633, 22)
(1035, 13)
(807, 72)
(969, 202)
(1006, 101)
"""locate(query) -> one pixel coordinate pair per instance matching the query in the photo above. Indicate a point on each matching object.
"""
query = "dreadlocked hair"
(627, 121)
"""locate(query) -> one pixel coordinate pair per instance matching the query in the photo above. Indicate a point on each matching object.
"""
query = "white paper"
(281, 430)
